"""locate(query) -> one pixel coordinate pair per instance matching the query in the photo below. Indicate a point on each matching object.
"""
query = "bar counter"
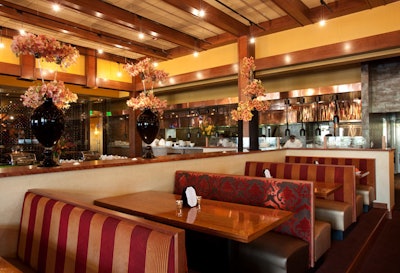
(92, 180)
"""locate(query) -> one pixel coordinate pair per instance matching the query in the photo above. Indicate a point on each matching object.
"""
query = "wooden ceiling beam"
(295, 9)
(36, 18)
(375, 3)
(213, 16)
(131, 20)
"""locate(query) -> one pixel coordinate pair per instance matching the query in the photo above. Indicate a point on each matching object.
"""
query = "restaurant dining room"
(199, 136)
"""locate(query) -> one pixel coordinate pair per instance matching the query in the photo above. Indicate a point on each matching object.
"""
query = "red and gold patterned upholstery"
(57, 236)
(296, 196)
(312, 172)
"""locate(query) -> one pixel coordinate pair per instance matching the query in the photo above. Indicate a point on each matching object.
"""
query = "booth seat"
(365, 186)
(60, 235)
(292, 247)
(340, 212)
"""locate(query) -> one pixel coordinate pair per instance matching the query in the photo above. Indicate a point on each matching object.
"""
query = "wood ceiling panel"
(170, 28)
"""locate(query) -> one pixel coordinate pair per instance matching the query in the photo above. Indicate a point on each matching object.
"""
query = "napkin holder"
(189, 197)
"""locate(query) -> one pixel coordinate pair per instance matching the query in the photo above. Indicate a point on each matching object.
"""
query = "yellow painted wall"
(206, 59)
(77, 68)
(371, 22)
(6, 55)
(112, 71)
(357, 25)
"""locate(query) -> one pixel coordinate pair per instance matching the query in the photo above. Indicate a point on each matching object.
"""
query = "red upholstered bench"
(340, 212)
(365, 185)
(278, 250)
(60, 235)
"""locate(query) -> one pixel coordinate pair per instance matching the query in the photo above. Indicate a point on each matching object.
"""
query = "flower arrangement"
(148, 74)
(50, 50)
(206, 128)
(254, 91)
(147, 100)
(61, 95)
(45, 47)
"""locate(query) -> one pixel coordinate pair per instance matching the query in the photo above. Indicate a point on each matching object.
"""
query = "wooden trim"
(10, 69)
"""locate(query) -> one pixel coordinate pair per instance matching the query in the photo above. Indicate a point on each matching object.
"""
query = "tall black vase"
(148, 125)
(47, 123)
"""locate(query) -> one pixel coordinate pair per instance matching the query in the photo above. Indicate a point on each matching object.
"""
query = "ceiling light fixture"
(324, 5)
(56, 7)
(196, 54)
(100, 51)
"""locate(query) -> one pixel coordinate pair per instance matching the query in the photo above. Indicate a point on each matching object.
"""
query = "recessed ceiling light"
(141, 35)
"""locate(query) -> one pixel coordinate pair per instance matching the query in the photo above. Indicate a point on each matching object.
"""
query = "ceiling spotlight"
(252, 40)
(141, 35)
(56, 7)
(202, 13)
(196, 53)
(1, 45)
(100, 51)
(199, 12)
(22, 31)
(322, 22)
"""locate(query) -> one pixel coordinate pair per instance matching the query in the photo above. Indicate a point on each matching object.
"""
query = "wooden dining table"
(242, 223)
(325, 190)
(7, 267)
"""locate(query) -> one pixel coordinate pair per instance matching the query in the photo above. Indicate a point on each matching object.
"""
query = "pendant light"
(302, 130)
(287, 131)
(318, 130)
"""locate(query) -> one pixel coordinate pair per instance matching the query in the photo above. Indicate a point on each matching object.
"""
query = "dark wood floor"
(371, 246)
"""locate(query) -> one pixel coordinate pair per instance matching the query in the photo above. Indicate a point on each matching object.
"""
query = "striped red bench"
(340, 212)
(274, 250)
(60, 235)
(365, 186)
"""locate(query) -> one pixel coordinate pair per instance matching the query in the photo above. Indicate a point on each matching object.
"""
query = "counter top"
(8, 171)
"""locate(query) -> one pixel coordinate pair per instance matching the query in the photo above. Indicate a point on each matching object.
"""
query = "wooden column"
(250, 129)
(135, 142)
(27, 64)
(91, 68)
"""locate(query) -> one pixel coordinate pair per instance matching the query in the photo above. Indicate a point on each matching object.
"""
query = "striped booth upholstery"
(61, 236)
(285, 194)
(365, 185)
